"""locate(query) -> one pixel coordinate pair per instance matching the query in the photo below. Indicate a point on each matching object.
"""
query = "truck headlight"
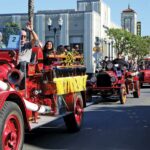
(93, 79)
(109, 66)
(113, 79)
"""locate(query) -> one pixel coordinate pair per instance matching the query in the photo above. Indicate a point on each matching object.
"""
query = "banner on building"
(139, 28)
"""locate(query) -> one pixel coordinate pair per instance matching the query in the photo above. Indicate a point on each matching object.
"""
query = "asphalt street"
(106, 126)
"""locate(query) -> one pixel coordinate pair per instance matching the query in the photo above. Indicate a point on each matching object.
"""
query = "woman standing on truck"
(47, 50)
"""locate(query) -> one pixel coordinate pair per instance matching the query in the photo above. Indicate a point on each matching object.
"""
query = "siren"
(15, 76)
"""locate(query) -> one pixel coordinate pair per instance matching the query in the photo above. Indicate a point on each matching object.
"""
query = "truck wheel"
(73, 121)
(123, 96)
(127, 87)
(11, 127)
(141, 85)
(89, 94)
(136, 93)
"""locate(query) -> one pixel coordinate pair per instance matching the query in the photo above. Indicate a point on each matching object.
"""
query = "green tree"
(139, 47)
(121, 39)
(126, 42)
(147, 38)
(10, 29)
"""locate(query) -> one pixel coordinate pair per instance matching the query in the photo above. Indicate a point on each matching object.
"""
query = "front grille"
(103, 80)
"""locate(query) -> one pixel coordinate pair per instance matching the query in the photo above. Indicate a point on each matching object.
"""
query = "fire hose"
(29, 105)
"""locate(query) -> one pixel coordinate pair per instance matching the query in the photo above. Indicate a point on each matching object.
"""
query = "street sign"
(14, 41)
(97, 49)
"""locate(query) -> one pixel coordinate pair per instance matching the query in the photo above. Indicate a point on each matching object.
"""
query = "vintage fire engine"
(39, 95)
(144, 74)
(108, 81)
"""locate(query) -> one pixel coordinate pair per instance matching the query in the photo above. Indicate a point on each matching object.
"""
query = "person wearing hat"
(119, 60)
(105, 61)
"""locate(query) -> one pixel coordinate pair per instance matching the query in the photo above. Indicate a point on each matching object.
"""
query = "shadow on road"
(145, 87)
(104, 128)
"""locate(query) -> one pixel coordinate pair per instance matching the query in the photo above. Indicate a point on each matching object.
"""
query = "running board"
(44, 120)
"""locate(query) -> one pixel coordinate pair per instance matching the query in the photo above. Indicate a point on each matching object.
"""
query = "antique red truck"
(107, 82)
(144, 72)
(48, 93)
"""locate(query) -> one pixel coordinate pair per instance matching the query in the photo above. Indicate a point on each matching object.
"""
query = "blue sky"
(142, 7)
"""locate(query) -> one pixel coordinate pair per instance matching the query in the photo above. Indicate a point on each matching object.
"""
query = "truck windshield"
(10, 38)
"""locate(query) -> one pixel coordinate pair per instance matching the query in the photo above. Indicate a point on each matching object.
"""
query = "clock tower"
(129, 20)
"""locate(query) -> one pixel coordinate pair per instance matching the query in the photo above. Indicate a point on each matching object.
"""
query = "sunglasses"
(23, 36)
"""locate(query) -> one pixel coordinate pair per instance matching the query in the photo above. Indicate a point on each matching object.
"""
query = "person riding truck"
(119, 60)
(26, 46)
(25, 55)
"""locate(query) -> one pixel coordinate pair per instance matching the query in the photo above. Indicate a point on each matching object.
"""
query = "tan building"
(84, 26)
(129, 20)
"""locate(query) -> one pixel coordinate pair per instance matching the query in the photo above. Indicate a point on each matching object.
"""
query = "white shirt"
(26, 52)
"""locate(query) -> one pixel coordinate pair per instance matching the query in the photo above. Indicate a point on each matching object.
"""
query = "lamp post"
(98, 52)
(54, 29)
(109, 50)
(103, 42)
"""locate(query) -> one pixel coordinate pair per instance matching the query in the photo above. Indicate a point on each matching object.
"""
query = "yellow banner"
(66, 85)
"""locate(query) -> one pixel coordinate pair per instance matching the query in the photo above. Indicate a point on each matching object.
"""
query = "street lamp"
(109, 50)
(54, 29)
(98, 53)
(112, 49)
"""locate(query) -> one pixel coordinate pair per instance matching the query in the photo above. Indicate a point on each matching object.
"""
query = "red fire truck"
(39, 96)
(144, 73)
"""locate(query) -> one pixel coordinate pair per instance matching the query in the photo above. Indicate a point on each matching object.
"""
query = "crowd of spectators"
(130, 64)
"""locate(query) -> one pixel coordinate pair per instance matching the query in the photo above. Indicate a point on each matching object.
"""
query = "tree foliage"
(10, 29)
(129, 44)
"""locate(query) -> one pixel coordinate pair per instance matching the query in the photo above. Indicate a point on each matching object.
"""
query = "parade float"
(39, 95)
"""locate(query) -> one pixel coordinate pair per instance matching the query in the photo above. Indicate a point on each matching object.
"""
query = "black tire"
(141, 79)
(141, 85)
(11, 114)
(89, 93)
(127, 87)
(72, 124)
(84, 97)
(136, 93)
(104, 97)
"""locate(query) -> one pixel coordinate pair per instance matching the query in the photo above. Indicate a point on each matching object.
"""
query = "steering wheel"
(12, 53)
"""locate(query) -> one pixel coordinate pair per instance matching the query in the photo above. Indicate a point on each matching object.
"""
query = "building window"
(127, 24)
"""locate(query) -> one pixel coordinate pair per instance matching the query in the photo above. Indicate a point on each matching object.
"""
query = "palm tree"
(31, 12)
